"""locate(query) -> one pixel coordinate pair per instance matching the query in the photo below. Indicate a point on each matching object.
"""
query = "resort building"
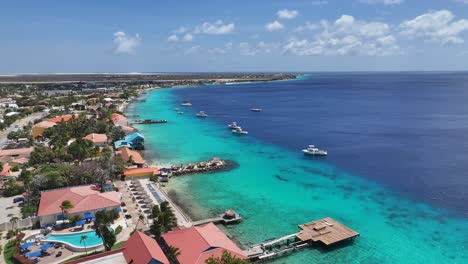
(140, 172)
(133, 141)
(198, 243)
(132, 156)
(138, 249)
(39, 128)
(85, 200)
(64, 118)
(128, 130)
(97, 139)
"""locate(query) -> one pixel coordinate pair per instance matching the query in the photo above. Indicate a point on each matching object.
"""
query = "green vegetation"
(103, 221)
(118, 245)
(83, 241)
(118, 229)
(9, 251)
(226, 258)
(172, 254)
(65, 207)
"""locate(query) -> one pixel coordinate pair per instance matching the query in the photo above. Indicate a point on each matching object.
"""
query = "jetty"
(324, 232)
(229, 217)
(150, 121)
(191, 168)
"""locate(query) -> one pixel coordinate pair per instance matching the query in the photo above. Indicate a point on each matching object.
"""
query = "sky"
(238, 35)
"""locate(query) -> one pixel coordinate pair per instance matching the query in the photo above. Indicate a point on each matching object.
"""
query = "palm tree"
(65, 206)
(141, 218)
(172, 254)
(14, 221)
(82, 241)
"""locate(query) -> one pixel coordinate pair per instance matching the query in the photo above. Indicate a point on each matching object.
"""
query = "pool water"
(74, 239)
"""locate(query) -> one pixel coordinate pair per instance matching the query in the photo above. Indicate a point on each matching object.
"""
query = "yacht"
(256, 109)
(312, 150)
(233, 125)
(201, 114)
(186, 103)
(239, 131)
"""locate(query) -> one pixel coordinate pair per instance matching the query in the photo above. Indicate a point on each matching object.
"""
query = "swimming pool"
(92, 239)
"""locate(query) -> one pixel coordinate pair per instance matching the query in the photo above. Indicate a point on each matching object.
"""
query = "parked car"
(18, 199)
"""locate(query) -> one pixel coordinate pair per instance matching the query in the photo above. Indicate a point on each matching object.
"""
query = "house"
(19, 161)
(64, 118)
(128, 130)
(140, 172)
(119, 120)
(97, 139)
(39, 128)
(138, 249)
(133, 141)
(131, 155)
(198, 243)
(9, 154)
(85, 199)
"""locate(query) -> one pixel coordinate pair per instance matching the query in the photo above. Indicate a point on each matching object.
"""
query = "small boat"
(201, 114)
(186, 103)
(312, 150)
(180, 112)
(233, 125)
(239, 131)
(256, 109)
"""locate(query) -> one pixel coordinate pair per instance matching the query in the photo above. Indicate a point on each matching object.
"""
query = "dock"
(150, 121)
(229, 217)
(324, 232)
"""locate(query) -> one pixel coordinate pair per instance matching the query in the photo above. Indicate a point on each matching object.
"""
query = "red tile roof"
(59, 119)
(84, 198)
(196, 244)
(45, 124)
(25, 152)
(119, 119)
(142, 249)
(97, 138)
(6, 170)
(126, 153)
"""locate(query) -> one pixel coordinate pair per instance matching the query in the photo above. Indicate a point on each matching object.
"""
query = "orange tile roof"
(119, 119)
(21, 160)
(130, 172)
(141, 248)
(64, 118)
(126, 153)
(198, 243)
(16, 152)
(84, 198)
(6, 170)
(97, 138)
(45, 124)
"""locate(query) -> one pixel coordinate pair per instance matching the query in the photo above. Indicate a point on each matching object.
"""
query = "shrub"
(118, 229)
(128, 216)
(122, 204)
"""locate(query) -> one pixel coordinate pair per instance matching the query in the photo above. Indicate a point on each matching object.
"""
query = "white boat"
(180, 112)
(177, 109)
(233, 125)
(186, 103)
(312, 150)
(256, 109)
(239, 131)
(201, 114)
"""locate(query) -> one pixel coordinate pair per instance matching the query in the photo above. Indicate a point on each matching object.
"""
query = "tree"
(14, 221)
(141, 218)
(117, 134)
(65, 206)
(102, 223)
(83, 241)
(172, 254)
(166, 218)
(226, 258)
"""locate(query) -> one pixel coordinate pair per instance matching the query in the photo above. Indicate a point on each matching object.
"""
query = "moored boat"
(314, 151)
(239, 131)
(201, 114)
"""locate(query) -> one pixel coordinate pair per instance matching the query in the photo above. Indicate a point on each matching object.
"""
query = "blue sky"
(236, 35)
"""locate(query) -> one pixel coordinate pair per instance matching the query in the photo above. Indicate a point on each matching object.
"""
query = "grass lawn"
(118, 245)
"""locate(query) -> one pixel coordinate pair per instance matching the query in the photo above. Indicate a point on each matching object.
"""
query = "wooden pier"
(324, 231)
(229, 217)
(149, 121)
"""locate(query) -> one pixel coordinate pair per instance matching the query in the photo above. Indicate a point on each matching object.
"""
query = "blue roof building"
(132, 141)
(122, 143)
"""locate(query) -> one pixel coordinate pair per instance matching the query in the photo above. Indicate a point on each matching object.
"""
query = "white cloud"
(227, 47)
(306, 26)
(261, 47)
(188, 37)
(384, 2)
(217, 28)
(287, 14)
(346, 36)
(173, 38)
(180, 30)
(273, 26)
(438, 26)
(125, 44)
(193, 50)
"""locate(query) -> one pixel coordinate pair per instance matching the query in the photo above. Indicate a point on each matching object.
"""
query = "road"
(20, 123)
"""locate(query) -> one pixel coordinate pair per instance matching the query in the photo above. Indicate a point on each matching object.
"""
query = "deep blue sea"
(397, 169)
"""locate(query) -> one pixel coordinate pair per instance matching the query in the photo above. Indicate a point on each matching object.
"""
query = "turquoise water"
(394, 229)
(74, 239)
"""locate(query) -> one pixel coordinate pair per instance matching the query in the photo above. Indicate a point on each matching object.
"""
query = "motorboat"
(186, 103)
(239, 131)
(201, 114)
(233, 125)
(312, 150)
(256, 109)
